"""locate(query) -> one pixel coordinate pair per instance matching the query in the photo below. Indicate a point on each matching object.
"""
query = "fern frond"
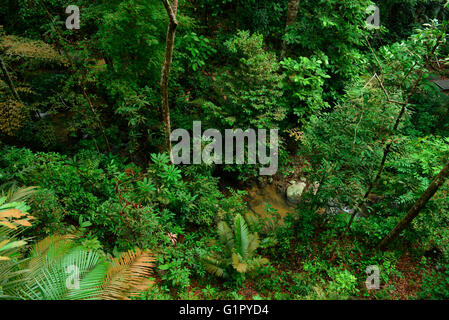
(253, 220)
(256, 263)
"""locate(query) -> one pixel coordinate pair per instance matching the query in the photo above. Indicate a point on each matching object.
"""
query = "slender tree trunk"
(387, 148)
(11, 85)
(100, 124)
(172, 10)
(292, 13)
(82, 82)
(386, 152)
(401, 113)
(9, 81)
(417, 207)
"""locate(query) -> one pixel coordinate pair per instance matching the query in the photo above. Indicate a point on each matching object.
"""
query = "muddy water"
(258, 197)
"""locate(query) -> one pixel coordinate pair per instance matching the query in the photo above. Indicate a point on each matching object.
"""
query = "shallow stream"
(259, 197)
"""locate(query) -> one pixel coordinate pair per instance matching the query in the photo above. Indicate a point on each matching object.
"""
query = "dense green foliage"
(86, 180)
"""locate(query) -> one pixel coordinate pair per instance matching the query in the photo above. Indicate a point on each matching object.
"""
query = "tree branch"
(171, 10)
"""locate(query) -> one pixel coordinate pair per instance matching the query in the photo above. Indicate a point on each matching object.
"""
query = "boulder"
(295, 190)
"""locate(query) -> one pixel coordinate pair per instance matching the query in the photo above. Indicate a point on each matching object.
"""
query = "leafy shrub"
(343, 283)
(336, 29)
(88, 185)
(248, 90)
(195, 50)
(303, 85)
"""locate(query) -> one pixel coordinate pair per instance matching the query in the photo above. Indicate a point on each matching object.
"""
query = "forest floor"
(409, 283)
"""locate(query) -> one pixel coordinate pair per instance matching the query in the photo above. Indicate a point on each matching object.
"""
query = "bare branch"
(385, 91)
(374, 54)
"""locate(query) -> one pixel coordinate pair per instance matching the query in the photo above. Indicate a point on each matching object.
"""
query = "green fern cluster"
(239, 248)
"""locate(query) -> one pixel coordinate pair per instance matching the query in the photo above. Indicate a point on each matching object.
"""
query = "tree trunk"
(165, 73)
(401, 113)
(9, 81)
(292, 13)
(417, 207)
(11, 85)
(387, 148)
(386, 152)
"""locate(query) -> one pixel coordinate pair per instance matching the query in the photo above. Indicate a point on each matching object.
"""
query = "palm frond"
(239, 250)
(13, 217)
(128, 275)
(254, 243)
(213, 266)
(63, 272)
(20, 194)
(238, 264)
(50, 250)
(225, 235)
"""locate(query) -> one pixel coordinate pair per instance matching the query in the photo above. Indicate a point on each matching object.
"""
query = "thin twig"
(385, 91)
(374, 54)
